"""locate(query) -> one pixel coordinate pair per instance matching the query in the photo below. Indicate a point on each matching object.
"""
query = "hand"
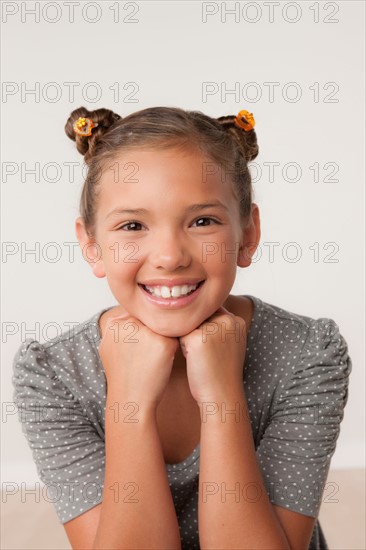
(136, 360)
(215, 353)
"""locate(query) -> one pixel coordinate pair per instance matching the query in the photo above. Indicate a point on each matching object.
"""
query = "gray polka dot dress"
(296, 375)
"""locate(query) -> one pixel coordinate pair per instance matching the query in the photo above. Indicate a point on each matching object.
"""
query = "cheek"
(222, 251)
(121, 276)
(221, 258)
(121, 257)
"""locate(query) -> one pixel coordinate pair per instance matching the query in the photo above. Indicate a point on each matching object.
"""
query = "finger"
(122, 316)
(183, 348)
(112, 323)
(222, 311)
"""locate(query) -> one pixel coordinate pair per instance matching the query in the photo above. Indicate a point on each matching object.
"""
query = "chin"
(171, 332)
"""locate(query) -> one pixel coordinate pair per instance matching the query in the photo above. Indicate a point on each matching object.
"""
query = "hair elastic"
(245, 120)
(83, 126)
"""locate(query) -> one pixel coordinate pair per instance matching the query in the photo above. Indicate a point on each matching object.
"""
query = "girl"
(183, 417)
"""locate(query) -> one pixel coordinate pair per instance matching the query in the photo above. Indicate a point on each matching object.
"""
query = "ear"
(90, 249)
(250, 238)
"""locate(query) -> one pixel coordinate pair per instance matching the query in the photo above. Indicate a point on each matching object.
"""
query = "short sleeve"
(300, 438)
(68, 452)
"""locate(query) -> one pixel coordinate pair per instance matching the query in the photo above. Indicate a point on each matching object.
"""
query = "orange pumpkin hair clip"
(83, 126)
(245, 120)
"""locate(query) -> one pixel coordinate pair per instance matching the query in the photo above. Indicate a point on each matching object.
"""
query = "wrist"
(129, 409)
(224, 408)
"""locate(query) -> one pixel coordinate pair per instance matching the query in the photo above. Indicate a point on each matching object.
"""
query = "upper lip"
(171, 282)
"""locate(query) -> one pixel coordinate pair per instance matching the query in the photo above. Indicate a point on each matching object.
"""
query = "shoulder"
(35, 359)
(309, 333)
(298, 346)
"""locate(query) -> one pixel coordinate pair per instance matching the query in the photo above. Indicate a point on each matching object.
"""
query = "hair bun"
(245, 139)
(105, 118)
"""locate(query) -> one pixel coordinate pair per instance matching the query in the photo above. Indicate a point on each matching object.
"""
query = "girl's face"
(186, 229)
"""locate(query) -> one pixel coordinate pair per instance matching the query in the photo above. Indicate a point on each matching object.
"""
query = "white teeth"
(166, 292)
(179, 290)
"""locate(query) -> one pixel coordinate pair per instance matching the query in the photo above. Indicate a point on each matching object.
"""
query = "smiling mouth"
(174, 293)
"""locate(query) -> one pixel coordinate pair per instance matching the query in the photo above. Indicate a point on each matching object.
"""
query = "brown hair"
(220, 140)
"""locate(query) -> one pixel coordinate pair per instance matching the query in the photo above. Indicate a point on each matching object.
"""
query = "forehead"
(167, 171)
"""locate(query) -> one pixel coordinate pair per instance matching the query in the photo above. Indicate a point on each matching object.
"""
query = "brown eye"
(205, 218)
(131, 223)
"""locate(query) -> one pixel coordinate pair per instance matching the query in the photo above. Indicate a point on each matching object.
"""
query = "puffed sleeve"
(295, 451)
(68, 452)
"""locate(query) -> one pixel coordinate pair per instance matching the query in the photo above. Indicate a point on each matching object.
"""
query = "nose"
(170, 252)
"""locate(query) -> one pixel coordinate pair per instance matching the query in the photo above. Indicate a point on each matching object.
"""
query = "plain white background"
(313, 64)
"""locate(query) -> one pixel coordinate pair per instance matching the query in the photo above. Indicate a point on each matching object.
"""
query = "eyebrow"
(191, 208)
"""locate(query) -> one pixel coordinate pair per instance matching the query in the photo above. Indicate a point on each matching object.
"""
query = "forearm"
(137, 510)
(234, 510)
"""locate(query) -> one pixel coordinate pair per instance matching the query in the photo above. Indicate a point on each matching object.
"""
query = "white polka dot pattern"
(295, 379)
